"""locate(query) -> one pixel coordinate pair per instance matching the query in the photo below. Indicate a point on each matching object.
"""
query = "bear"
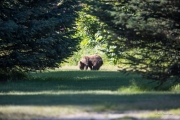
(94, 62)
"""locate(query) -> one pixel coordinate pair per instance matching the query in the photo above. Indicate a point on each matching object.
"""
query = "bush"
(14, 74)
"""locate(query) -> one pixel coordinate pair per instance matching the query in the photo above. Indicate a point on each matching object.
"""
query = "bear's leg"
(85, 67)
(95, 68)
(90, 67)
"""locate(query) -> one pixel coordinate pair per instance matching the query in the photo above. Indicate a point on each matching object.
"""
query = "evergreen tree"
(146, 33)
(36, 34)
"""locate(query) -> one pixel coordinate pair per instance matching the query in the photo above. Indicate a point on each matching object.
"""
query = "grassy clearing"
(59, 93)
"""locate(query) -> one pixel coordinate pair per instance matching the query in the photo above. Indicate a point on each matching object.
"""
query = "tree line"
(142, 35)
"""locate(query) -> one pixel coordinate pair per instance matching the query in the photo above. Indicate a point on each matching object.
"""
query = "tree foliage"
(89, 30)
(144, 33)
(36, 34)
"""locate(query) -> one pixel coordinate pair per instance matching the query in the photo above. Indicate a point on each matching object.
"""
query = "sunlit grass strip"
(60, 92)
(122, 91)
(35, 112)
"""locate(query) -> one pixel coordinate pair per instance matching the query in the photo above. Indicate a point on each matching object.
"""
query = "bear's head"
(81, 65)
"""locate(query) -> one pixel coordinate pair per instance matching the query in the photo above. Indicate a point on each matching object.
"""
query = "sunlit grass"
(75, 68)
(176, 88)
(174, 111)
(34, 112)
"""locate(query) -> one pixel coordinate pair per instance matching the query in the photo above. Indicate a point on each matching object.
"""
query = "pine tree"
(146, 33)
(36, 34)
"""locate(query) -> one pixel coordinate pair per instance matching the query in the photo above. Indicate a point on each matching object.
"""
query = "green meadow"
(72, 94)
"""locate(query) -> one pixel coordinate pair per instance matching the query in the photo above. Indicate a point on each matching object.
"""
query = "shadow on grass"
(143, 101)
(78, 80)
(63, 84)
(68, 80)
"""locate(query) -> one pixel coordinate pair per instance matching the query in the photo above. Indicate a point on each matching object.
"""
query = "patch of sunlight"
(176, 88)
(161, 113)
(175, 111)
(76, 68)
(54, 92)
(153, 115)
(121, 91)
(86, 77)
(29, 112)
(130, 89)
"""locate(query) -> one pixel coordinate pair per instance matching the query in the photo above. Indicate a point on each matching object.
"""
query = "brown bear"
(94, 62)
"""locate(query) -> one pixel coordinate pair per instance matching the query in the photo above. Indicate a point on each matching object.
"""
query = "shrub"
(14, 74)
